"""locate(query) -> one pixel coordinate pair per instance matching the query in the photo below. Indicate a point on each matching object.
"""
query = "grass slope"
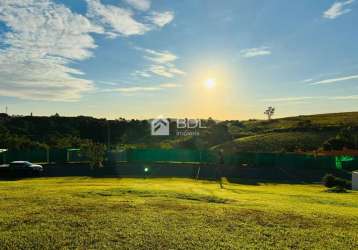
(288, 134)
(277, 142)
(90, 213)
(321, 120)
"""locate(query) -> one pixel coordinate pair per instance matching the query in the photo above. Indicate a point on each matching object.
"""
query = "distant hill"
(322, 120)
(289, 134)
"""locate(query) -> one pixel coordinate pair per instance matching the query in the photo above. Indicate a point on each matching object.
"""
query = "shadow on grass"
(245, 181)
(258, 181)
(15, 176)
(18, 177)
(162, 194)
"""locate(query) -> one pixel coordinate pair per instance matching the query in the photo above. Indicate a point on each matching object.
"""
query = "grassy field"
(97, 213)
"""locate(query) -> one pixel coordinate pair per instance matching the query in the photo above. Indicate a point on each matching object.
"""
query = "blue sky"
(145, 58)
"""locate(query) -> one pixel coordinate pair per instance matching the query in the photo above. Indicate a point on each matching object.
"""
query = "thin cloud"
(334, 80)
(117, 20)
(304, 99)
(142, 89)
(338, 9)
(161, 19)
(169, 85)
(349, 97)
(254, 52)
(142, 5)
(136, 89)
(308, 80)
(168, 71)
(164, 64)
(110, 83)
(161, 57)
(288, 99)
(141, 73)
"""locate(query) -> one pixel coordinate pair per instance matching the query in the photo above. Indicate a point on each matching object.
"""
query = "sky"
(142, 59)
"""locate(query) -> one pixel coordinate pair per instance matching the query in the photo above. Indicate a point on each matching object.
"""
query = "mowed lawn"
(106, 213)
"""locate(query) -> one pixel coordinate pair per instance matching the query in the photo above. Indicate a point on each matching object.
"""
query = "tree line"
(29, 132)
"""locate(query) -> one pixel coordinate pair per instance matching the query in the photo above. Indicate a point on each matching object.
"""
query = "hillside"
(289, 134)
(276, 142)
(332, 120)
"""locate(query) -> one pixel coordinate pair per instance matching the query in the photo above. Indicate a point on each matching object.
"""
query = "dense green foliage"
(344, 139)
(304, 133)
(95, 153)
(62, 132)
(95, 213)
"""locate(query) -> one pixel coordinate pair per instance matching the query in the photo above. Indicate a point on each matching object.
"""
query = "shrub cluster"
(344, 139)
(331, 181)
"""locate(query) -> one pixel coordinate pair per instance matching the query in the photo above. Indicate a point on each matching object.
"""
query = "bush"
(344, 139)
(337, 190)
(333, 144)
(331, 181)
(95, 152)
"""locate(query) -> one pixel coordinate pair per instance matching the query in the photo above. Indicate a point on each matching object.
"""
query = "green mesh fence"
(58, 155)
(182, 156)
(114, 156)
(341, 159)
(268, 160)
(175, 156)
(75, 155)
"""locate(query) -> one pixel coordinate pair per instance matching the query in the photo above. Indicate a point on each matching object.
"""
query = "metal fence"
(182, 156)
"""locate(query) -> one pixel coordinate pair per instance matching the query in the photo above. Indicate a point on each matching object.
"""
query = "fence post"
(48, 155)
(67, 155)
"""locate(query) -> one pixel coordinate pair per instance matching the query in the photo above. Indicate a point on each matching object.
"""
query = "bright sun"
(210, 83)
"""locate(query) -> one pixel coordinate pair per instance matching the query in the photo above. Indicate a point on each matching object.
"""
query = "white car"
(25, 166)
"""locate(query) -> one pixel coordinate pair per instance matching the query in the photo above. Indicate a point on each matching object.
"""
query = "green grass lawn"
(100, 213)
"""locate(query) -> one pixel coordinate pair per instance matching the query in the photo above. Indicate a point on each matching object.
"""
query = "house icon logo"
(159, 127)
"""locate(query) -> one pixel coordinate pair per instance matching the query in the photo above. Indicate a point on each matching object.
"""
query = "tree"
(95, 153)
(217, 134)
(333, 144)
(270, 111)
(346, 135)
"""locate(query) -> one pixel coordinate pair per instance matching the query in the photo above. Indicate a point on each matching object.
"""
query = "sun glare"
(210, 83)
